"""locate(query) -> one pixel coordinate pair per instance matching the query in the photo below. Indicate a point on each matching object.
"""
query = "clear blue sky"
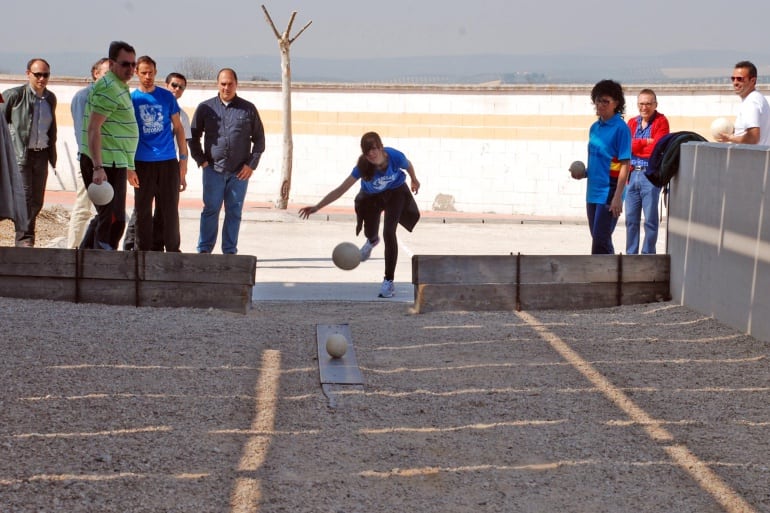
(392, 28)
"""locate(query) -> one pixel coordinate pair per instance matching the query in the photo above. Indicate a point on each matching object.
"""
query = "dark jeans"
(602, 223)
(34, 175)
(110, 219)
(392, 203)
(159, 183)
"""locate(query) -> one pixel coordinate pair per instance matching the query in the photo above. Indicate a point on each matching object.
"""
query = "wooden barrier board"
(536, 282)
(139, 278)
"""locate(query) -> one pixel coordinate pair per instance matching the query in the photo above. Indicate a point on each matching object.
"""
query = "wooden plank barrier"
(139, 278)
(534, 282)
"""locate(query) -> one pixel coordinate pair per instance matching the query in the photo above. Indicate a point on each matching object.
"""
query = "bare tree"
(197, 68)
(284, 42)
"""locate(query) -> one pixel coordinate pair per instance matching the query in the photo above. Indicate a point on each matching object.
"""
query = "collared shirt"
(609, 143)
(78, 110)
(111, 98)
(42, 117)
(233, 135)
(641, 147)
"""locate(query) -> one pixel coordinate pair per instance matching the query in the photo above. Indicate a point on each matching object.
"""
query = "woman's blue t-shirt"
(390, 178)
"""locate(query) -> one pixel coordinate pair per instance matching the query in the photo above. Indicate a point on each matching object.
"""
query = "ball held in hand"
(577, 169)
(100, 194)
(721, 126)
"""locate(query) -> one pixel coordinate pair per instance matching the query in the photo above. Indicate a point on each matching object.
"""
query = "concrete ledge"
(531, 282)
(139, 278)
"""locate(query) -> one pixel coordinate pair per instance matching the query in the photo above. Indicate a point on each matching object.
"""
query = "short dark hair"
(612, 89)
(96, 66)
(231, 70)
(146, 59)
(116, 47)
(171, 76)
(33, 61)
(749, 66)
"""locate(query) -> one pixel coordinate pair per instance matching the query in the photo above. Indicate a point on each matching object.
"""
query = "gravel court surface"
(123, 409)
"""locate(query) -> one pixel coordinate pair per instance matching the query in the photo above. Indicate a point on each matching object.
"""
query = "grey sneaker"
(387, 289)
(366, 249)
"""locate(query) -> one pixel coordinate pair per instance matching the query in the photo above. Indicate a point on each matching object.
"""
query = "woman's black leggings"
(391, 202)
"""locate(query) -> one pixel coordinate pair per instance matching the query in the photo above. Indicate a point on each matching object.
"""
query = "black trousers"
(158, 183)
(110, 219)
(34, 175)
(395, 203)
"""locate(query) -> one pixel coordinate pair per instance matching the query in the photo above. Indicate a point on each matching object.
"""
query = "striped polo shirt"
(111, 98)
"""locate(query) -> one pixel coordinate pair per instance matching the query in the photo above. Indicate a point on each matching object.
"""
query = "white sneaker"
(387, 289)
(366, 249)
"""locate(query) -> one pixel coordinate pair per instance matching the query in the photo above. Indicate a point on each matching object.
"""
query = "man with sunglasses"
(110, 136)
(30, 111)
(752, 124)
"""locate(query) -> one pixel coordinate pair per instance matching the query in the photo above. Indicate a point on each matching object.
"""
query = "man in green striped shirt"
(110, 135)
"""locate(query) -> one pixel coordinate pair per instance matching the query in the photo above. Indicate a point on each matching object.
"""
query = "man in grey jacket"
(30, 111)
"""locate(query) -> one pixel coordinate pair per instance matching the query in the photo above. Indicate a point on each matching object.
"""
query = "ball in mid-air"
(100, 194)
(721, 126)
(336, 345)
(346, 256)
(577, 169)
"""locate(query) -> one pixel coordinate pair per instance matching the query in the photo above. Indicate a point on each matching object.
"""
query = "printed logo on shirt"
(382, 182)
(151, 118)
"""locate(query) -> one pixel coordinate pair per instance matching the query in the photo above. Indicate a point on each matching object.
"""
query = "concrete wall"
(496, 149)
(719, 234)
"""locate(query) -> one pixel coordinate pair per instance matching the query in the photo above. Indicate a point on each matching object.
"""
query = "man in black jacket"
(30, 111)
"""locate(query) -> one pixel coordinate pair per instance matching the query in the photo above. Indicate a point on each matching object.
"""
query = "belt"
(37, 149)
(639, 169)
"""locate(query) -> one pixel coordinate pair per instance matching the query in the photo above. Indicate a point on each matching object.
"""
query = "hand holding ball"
(100, 194)
(721, 126)
(336, 345)
(578, 170)
(346, 256)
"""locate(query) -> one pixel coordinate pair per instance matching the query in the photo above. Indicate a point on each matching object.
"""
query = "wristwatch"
(182, 157)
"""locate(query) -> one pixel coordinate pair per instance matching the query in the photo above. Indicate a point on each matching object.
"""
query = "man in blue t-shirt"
(158, 175)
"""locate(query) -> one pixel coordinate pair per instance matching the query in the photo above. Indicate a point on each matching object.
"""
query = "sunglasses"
(178, 86)
(737, 79)
(127, 64)
(40, 74)
(602, 101)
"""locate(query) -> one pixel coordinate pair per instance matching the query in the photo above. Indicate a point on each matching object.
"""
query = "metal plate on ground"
(338, 371)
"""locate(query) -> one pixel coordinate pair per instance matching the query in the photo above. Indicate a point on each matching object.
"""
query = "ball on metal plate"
(721, 126)
(346, 256)
(100, 194)
(336, 345)
(577, 169)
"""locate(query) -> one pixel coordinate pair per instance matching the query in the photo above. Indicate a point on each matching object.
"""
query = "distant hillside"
(470, 69)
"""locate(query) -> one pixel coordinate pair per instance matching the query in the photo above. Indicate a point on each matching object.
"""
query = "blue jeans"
(601, 223)
(221, 188)
(641, 196)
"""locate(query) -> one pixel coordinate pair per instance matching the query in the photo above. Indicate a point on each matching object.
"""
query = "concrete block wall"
(719, 234)
(500, 149)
